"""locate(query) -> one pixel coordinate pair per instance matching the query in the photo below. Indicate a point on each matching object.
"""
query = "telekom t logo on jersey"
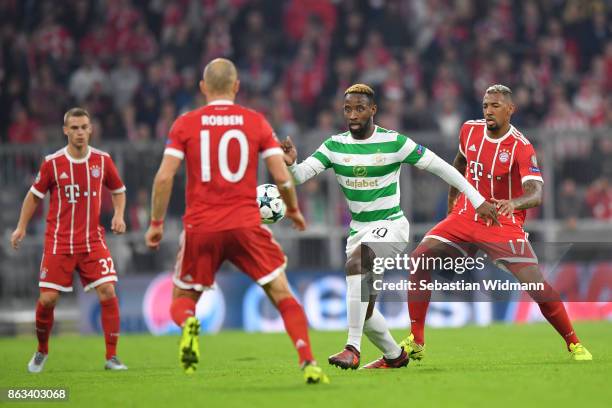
(476, 170)
(72, 192)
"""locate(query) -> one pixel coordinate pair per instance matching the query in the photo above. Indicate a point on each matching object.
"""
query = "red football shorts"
(507, 243)
(253, 250)
(94, 268)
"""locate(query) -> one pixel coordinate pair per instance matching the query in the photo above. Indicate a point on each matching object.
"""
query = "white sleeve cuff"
(475, 197)
(171, 151)
(527, 178)
(119, 190)
(305, 170)
(37, 193)
(273, 151)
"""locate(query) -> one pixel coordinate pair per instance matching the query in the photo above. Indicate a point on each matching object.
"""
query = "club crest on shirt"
(504, 156)
(95, 171)
(379, 159)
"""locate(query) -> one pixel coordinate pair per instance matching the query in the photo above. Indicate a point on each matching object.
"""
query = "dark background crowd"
(135, 65)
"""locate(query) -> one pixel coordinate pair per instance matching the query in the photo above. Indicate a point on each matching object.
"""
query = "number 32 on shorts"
(107, 265)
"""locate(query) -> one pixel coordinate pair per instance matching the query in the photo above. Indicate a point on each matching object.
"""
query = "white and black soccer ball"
(271, 205)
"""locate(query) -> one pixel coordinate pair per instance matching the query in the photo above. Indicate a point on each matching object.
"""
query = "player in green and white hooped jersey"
(367, 161)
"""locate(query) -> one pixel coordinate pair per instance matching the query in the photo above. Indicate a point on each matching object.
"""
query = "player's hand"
(154, 236)
(488, 212)
(289, 150)
(296, 216)
(504, 207)
(118, 225)
(17, 237)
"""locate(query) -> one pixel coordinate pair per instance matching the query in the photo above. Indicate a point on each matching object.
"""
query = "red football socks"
(554, 311)
(418, 302)
(44, 324)
(110, 325)
(181, 309)
(296, 326)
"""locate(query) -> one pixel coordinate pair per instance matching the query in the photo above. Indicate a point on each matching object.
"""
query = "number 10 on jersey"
(224, 141)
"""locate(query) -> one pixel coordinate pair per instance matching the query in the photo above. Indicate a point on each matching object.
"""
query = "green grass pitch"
(501, 365)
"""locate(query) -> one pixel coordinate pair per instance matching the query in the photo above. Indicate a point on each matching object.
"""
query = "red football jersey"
(221, 143)
(497, 168)
(75, 186)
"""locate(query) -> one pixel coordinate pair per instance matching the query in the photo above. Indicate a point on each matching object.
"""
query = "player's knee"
(48, 299)
(425, 251)
(277, 290)
(279, 293)
(524, 272)
(106, 291)
(422, 251)
(353, 265)
(47, 303)
(369, 312)
(367, 258)
(192, 294)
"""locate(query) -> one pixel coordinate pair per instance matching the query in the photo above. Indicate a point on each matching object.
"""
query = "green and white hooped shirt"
(367, 170)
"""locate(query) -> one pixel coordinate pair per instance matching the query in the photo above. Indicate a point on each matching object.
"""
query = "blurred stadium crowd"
(135, 64)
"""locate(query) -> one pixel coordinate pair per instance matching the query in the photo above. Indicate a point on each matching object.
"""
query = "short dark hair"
(75, 112)
(500, 89)
(362, 89)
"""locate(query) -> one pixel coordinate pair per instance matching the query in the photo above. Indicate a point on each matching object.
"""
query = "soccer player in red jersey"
(74, 240)
(221, 143)
(501, 164)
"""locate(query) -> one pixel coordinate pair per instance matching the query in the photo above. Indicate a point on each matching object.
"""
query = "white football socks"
(377, 331)
(355, 310)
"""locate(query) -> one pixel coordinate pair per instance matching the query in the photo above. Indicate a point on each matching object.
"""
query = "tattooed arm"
(532, 197)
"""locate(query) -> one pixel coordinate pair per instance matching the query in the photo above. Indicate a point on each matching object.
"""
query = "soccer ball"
(271, 205)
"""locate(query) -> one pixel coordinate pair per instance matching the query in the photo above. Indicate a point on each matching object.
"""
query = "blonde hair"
(360, 89)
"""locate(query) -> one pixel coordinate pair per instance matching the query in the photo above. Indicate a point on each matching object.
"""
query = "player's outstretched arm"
(30, 202)
(532, 197)
(452, 176)
(305, 170)
(460, 163)
(118, 221)
(278, 170)
(160, 197)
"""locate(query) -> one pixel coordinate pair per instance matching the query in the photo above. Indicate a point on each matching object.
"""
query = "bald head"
(220, 78)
